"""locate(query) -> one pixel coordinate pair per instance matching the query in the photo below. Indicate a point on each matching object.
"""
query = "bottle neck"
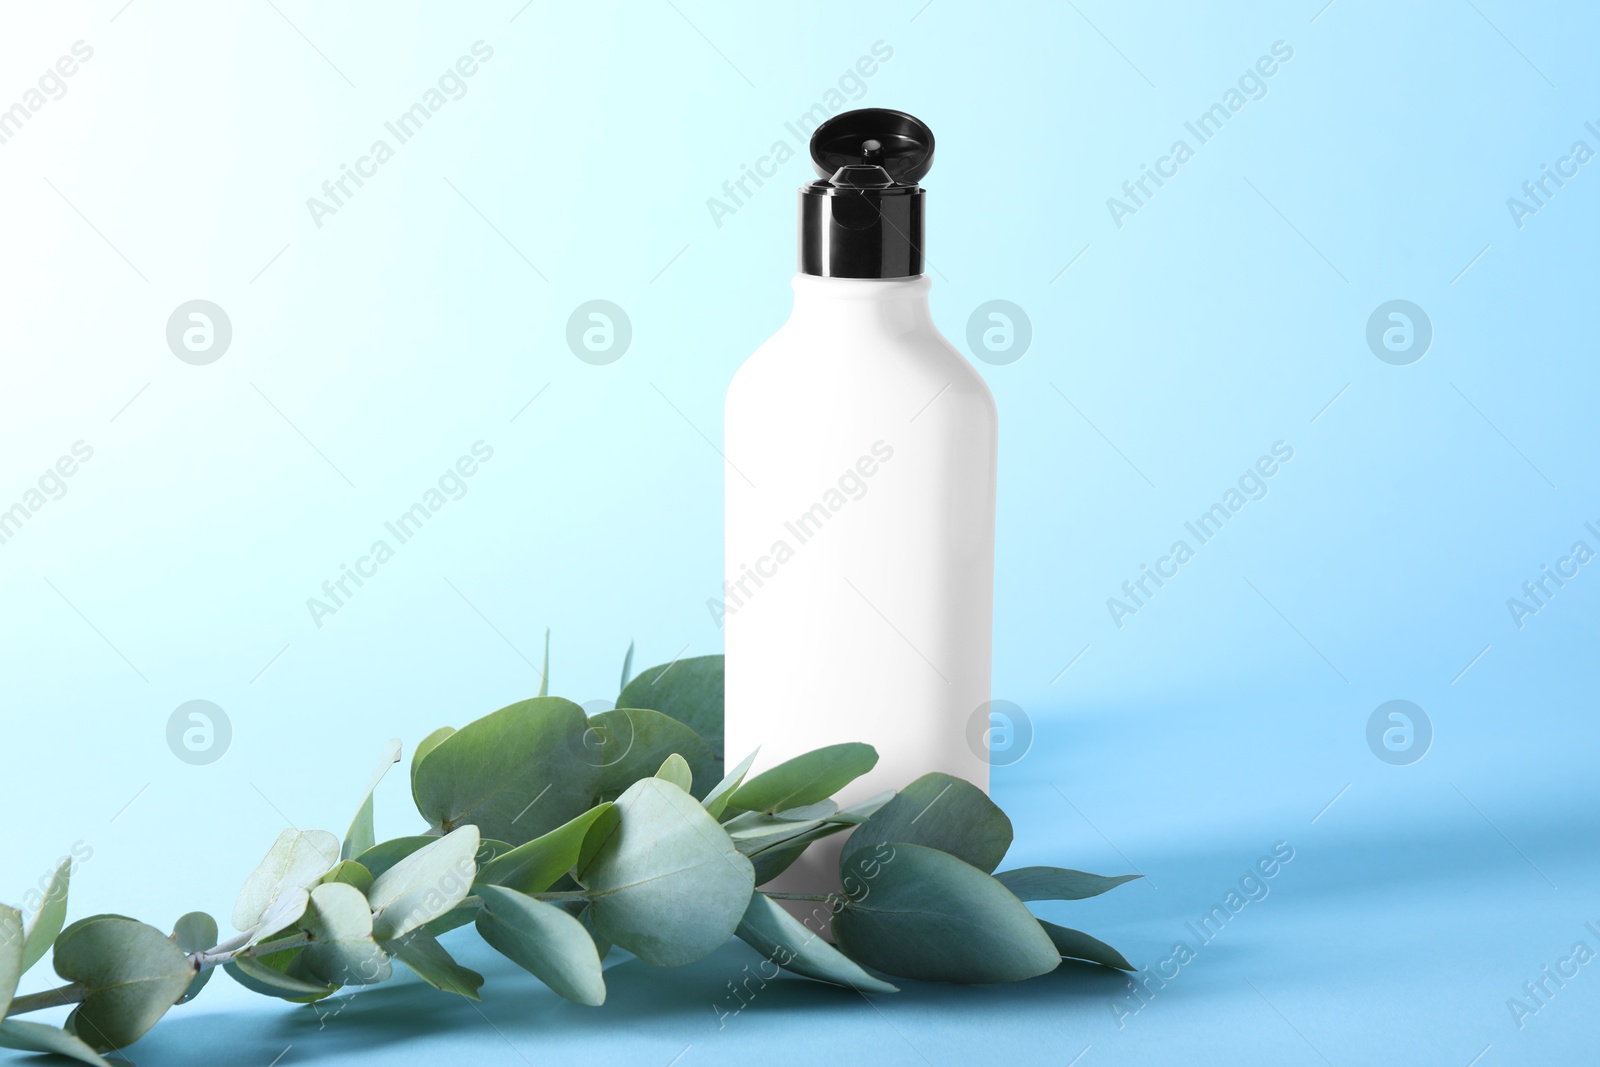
(894, 305)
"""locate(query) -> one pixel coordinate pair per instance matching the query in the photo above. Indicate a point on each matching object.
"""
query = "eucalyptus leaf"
(675, 769)
(284, 913)
(422, 952)
(51, 918)
(627, 668)
(633, 742)
(297, 860)
(385, 854)
(667, 884)
(539, 864)
(1077, 945)
(544, 672)
(132, 974)
(602, 946)
(790, 944)
(342, 951)
(716, 801)
(195, 932)
(11, 948)
(921, 913)
(425, 746)
(774, 858)
(515, 774)
(269, 981)
(806, 778)
(943, 812)
(544, 940)
(36, 1037)
(361, 835)
(1058, 883)
(350, 872)
(689, 690)
(424, 885)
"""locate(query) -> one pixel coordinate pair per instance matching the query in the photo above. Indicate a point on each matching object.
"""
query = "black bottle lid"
(863, 218)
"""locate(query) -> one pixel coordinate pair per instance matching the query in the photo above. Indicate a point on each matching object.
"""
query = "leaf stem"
(50, 998)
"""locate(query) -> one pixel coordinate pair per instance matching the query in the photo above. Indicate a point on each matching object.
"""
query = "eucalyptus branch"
(72, 993)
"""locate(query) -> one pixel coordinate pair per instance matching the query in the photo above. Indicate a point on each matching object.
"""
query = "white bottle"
(860, 480)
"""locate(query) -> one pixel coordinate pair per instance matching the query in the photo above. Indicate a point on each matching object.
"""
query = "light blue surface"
(1227, 314)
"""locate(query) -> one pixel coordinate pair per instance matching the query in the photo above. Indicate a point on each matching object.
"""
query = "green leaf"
(667, 884)
(515, 774)
(633, 742)
(52, 916)
(342, 951)
(195, 932)
(350, 872)
(544, 672)
(1077, 945)
(943, 812)
(297, 860)
(774, 859)
(11, 955)
(545, 940)
(675, 769)
(361, 835)
(425, 884)
(689, 690)
(132, 973)
(627, 668)
(420, 951)
(716, 801)
(807, 778)
(539, 864)
(602, 946)
(1058, 883)
(789, 943)
(36, 1037)
(385, 854)
(285, 911)
(425, 746)
(260, 977)
(920, 913)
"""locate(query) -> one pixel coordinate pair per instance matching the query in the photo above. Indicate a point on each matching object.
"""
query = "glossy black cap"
(863, 219)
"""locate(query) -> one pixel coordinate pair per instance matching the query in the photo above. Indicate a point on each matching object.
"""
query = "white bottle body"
(861, 450)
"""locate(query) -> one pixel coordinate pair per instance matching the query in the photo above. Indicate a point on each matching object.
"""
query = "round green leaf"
(425, 746)
(806, 779)
(385, 854)
(425, 884)
(195, 932)
(352, 873)
(296, 861)
(689, 690)
(675, 769)
(920, 913)
(943, 812)
(133, 973)
(790, 944)
(544, 940)
(631, 743)
(515, 774)
(666, 884)
(539, 864)
(342, 951)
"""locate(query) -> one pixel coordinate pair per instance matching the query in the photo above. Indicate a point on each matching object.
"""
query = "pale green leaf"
(675, 769)
(1076, 945)
(667, 884)
(284, 913)
(133, 973)
(515, 774)
(297, 860)
(422, 952)
(351, 872)
(361, 835)
(11, 948)
(789, 943)
(1058, 883)
(342, 951)
(716, 801)
(689, 690)
(37, 1037)
(920, 913)
(424, 885)
(539, 864)
(195, 932)
(806, 779)
(633, 743)
(943, 812)
(269, 981)
(627, 668)
(51, 918)
(545, 940)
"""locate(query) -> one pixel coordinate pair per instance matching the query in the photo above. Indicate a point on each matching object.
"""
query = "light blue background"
(1229, 313)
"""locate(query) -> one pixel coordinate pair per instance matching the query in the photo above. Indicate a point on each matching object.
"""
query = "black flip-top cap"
(863, 218)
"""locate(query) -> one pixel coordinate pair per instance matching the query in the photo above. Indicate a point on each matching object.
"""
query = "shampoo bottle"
(860, 493)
